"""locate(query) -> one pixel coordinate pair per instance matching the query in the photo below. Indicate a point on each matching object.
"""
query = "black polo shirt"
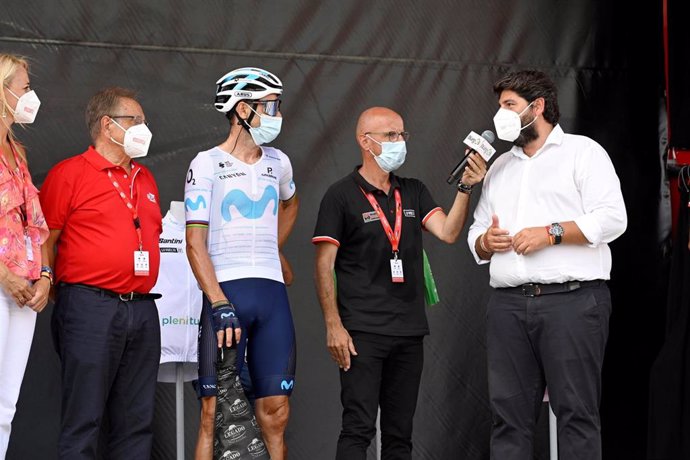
(368, 300)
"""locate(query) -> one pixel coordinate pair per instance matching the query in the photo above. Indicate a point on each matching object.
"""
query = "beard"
(527, 135)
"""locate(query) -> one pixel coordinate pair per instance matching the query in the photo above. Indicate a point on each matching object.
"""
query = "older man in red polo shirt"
(103, 212)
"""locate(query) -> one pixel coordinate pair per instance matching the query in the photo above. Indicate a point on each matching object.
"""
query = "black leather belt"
(536, 290)
(129, 296)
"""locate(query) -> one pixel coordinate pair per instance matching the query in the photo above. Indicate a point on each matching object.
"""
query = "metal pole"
(553, 434)
(378, 435)
(179, 409)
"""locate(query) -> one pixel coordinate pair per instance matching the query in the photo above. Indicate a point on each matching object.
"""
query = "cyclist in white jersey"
(241, 205)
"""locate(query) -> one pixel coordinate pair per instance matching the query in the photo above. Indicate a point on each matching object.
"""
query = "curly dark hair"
(530, 85)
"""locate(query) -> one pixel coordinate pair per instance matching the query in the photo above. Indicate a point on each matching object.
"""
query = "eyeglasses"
(393, 136)
(136, 119)
(271, 108)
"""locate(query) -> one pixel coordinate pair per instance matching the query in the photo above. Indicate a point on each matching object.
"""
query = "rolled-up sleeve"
(605, 217)
(482, 219)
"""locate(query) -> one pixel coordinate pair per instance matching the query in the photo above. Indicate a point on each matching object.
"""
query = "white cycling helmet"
(245, 83)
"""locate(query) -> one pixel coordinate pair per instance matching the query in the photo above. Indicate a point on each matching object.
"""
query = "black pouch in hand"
(237, 434)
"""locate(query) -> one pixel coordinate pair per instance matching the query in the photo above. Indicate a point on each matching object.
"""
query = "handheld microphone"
(476, 143)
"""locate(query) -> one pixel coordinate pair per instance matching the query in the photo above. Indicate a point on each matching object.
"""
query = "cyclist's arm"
(201, 263)
(287, 215)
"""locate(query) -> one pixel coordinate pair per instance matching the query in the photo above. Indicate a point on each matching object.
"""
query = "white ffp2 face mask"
(508, 124)
(27, 107)
(137, 140)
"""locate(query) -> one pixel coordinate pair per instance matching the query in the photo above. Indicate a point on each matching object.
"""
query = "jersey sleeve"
(330, 221)
(287, 184)
(197, 191)
(56, 196)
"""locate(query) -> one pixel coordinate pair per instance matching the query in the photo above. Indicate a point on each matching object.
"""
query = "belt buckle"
(127, 297)
(531, 290)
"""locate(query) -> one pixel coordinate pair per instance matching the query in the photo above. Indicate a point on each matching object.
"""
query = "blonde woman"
(24, 285)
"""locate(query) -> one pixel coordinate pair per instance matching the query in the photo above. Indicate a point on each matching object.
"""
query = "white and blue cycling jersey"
(239, 202)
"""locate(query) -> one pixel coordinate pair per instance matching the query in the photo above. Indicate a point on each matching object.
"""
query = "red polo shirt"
(98, 238)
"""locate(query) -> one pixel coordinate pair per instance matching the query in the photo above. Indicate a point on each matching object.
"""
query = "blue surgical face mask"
(267, 131)
(392, 155)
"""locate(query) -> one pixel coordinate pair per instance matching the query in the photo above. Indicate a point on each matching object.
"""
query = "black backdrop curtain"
(432, 61)
(669, 413)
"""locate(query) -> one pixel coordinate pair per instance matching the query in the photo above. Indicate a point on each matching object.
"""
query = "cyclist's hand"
(225, 323)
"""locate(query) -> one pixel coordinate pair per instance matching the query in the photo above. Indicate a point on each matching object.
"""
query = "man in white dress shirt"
(548, 209)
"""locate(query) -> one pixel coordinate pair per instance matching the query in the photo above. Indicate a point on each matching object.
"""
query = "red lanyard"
(393, 236)
(128, 203)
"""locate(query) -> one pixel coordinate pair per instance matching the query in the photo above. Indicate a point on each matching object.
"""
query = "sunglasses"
(271, 108)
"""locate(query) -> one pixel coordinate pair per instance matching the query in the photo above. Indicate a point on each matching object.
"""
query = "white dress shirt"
(571, 178)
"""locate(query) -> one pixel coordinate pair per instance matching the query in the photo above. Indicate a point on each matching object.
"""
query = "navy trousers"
(555, 341)
(110, 350)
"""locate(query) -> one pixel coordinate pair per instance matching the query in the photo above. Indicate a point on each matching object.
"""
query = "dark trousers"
(110, 351)
(386, 372)
(554, 340)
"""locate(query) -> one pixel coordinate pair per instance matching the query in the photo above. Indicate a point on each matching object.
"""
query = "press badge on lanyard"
(141, 263)
(397, 275)
(141, 257)
(29, 248)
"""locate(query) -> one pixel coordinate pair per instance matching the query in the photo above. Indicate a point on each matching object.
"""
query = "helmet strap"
(246, 124)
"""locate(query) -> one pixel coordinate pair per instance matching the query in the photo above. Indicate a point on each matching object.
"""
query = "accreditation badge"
(397, 271)
(141, 263)
(29, 248)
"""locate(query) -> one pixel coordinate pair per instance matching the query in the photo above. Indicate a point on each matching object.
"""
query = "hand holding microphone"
(476, 144)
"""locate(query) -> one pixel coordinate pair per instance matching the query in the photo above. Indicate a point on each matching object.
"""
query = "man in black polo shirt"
(370, 230)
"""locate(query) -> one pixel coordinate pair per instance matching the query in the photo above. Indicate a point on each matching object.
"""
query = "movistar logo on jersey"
(227, 315)
(194, 205)
(249, 208)
(285, 385)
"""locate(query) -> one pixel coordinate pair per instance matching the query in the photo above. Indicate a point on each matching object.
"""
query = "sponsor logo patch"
(200, 202)
(370, 216)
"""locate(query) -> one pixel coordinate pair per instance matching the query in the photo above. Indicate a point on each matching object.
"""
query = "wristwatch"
(556, 232)
(47, 272)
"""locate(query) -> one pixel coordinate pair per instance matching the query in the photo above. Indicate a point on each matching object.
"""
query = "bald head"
(379, 119)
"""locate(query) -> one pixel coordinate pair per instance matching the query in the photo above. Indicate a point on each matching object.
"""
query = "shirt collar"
(555, 137)
(366, 186)
(99, 162)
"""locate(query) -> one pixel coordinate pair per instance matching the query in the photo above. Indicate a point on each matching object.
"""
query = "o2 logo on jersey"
(190, 177)
(194, 205)
(249, 208)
